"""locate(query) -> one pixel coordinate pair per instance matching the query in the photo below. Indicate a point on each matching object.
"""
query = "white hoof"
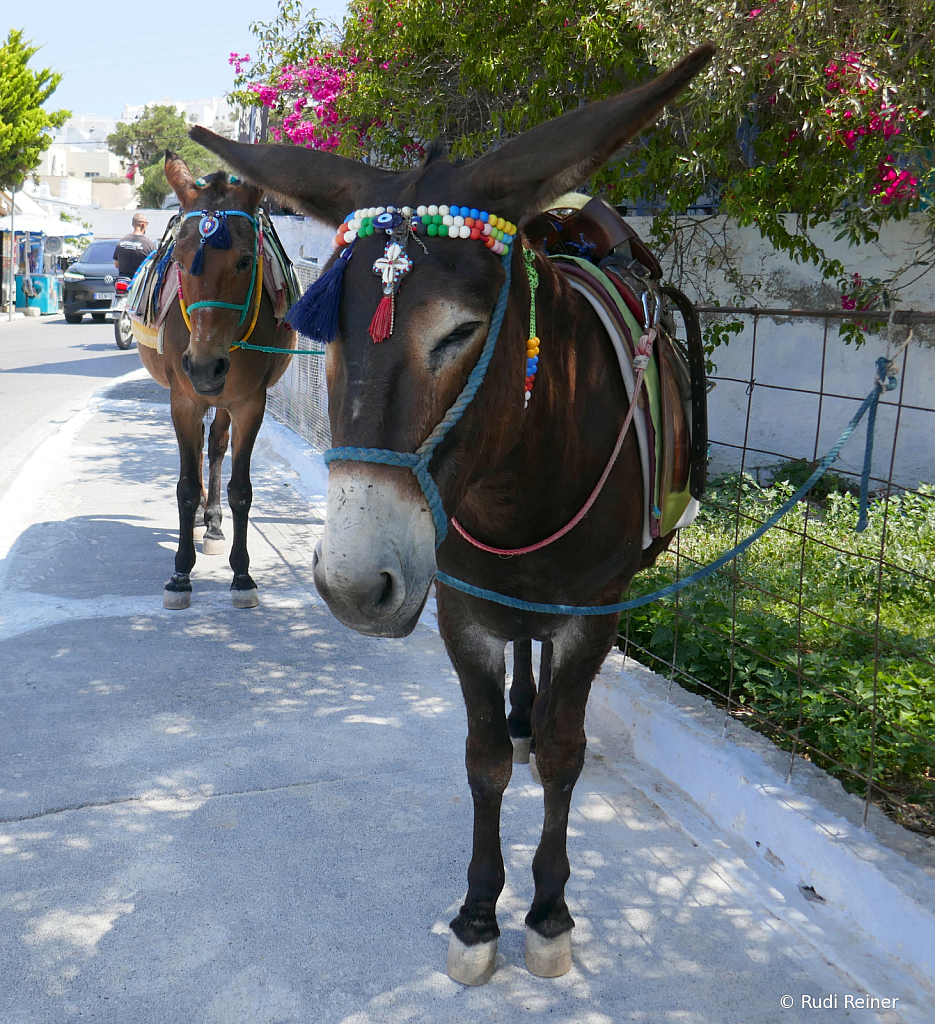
(175, 600)
(521, 750)
(471, 965)
(213, 546)
(245, 598)
(548, 958)
(198, 531)
(534, 769)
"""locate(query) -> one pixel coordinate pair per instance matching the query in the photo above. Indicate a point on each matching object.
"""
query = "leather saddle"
(593, 230)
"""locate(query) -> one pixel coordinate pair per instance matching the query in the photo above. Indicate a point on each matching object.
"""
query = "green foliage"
(145, 140)
(810, 113)
(23, 120)
(832, 709)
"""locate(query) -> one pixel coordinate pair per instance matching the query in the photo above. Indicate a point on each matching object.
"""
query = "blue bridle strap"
(418, 461)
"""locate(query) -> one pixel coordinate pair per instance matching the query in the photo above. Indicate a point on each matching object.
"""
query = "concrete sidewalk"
(258, 817)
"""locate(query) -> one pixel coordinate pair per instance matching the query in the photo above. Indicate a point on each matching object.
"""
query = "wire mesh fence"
(820, 637)
(300, 398)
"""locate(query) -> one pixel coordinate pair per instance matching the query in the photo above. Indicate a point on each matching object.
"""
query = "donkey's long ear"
(528, 172)
(321, 184)
(180, 178)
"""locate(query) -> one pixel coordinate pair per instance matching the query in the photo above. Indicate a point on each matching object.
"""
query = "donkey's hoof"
(175, 600)
(213, 545)
(547, 958)
(521, 749)
(471, 965)
(245, 598)
(534, 769)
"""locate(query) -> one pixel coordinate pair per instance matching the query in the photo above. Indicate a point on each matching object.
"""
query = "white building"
(214, 112)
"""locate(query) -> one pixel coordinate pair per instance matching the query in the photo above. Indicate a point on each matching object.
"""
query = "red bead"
(475, 233)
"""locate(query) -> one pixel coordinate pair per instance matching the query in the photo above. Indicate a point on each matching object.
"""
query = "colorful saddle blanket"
(606, 263)
(155, 286)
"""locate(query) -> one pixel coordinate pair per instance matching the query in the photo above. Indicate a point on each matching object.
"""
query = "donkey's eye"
(244, 263)
(460, 334)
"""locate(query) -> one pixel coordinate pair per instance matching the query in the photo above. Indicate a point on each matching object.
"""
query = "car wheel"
(99, 317)
(73, 318)
(123, 333)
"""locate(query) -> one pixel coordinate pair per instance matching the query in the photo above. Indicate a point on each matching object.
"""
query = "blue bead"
(475, 213)
(484, 216)
(455, 211)
(349, 218)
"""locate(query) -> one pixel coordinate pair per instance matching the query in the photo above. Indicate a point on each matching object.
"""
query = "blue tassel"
(316, 314)
(199, 261)
(221, 239)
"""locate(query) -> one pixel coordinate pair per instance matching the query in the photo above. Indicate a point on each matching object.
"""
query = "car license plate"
(103, 295)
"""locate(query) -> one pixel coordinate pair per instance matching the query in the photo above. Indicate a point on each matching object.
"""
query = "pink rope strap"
(641, 359)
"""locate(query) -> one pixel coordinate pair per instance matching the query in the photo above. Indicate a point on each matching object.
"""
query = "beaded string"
(495, 232)
(532, 345)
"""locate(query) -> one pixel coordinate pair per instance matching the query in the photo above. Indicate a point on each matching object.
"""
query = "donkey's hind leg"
(247, 421)
(579, 647)
(187, 418)
(522, 695)
(218, 438)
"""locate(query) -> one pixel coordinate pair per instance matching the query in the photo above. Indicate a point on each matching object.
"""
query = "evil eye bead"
(383, 220)
(444, 211)
(433, 210)
(474, 213)
(422, 211)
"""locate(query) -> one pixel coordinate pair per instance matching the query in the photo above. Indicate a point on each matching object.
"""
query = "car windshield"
(99, 252)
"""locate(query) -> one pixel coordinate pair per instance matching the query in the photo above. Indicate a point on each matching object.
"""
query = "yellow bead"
(533, 341)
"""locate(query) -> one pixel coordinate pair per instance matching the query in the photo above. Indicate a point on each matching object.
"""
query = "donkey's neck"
(534, 468)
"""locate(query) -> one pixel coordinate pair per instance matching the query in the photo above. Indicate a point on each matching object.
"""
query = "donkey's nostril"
(221, 367)
(186, 363)
(381, 594)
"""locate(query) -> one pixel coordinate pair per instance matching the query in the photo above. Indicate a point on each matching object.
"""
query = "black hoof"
(473, 927)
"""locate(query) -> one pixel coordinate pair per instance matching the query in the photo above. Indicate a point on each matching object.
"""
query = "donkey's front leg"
(188, 420)
(579, 648)
(478, 660)
(246, 420)
(218, 437)
(522, 695)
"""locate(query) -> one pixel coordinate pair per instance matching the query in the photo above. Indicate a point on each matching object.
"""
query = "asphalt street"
(223, 816)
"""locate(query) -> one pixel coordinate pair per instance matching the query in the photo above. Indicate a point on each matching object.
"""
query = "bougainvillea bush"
(811, 112)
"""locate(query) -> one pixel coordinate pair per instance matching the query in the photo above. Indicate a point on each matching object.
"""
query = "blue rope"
(885, 381)
(419, 460)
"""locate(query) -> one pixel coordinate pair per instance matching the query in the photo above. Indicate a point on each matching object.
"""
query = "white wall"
(789, 352)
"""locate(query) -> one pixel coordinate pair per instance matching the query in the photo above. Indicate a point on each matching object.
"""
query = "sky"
(114, 53)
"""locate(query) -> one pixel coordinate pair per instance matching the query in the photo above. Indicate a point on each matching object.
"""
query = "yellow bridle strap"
(257, 299)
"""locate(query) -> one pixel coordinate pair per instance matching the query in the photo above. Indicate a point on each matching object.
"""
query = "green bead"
(436, 218)
(369, 229)
(365, 222)
(443, 229)
(432, 229)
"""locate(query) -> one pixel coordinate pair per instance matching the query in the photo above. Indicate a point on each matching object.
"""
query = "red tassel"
(381, 326)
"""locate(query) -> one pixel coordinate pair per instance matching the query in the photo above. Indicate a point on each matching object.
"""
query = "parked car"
(89, 282)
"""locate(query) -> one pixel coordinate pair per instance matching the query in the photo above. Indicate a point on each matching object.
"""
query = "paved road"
(48, 370)
(256, 817)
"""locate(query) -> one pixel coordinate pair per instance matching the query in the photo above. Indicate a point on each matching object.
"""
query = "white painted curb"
(881, 878)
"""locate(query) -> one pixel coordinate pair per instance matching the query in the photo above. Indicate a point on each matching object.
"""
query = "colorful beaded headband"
(443, 221)
(316, 314)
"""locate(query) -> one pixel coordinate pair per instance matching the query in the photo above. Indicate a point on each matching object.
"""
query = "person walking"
(132, 249)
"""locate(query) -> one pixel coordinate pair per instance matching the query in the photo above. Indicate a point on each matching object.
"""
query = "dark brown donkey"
(512, 476)
(202, 369)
